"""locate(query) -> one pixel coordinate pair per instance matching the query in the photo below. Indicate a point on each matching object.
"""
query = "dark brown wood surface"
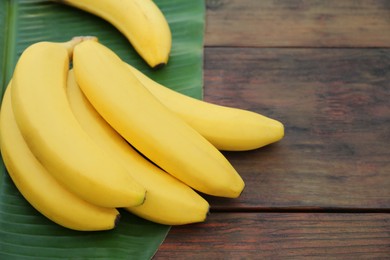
(298, 23)
(323, 192)
(281, 236)
(334, 104)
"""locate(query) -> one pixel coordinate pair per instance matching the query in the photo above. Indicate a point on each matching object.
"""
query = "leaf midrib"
(9, 43)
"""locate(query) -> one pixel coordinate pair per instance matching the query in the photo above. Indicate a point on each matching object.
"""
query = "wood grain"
(298, 23)
(281, 236)
(335, 107)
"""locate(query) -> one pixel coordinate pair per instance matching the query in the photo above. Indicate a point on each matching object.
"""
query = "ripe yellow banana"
(52, 132)
(148, 125)
(141, 21)
(168, 201)
(227, 128)
(39, 188)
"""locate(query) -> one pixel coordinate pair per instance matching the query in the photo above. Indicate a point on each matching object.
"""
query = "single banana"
(148, 125)
(52, 132)
(38, 186)
(140, 21)
(168, 200)
(227, 128)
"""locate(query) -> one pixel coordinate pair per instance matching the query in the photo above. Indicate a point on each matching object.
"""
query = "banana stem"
(69, 45)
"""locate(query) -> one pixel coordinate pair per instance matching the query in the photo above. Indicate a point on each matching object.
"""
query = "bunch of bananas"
(81, 141)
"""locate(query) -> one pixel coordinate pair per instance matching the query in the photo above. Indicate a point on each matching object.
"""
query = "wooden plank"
(335, 107)
(299, 23)
(281, 236)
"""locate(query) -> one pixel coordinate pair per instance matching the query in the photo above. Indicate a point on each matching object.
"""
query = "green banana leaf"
(24, 232)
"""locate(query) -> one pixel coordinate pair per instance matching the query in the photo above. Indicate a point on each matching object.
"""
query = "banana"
(168, 201)
(140, 21)
(149, 126)
(39, 188)
(227, 128)
(52, 132)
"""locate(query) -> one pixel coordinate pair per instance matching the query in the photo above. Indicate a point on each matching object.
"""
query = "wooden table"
(323, 69)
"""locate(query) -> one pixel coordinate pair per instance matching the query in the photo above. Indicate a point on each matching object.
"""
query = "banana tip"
(159, 66)
(117, 219)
